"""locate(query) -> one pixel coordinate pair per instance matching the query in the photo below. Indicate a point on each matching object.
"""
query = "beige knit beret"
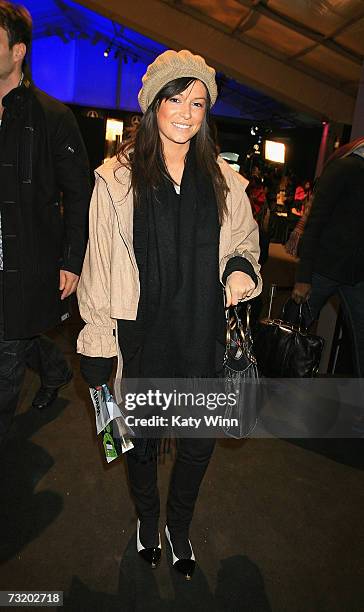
(172, 65)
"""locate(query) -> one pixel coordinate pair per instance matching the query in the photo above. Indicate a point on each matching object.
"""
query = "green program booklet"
(110, 423)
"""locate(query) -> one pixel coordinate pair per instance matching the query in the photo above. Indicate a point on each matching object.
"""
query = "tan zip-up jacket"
(109, 284)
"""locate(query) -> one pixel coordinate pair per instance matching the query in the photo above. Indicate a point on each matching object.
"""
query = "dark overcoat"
(333, 241)
(44, 199)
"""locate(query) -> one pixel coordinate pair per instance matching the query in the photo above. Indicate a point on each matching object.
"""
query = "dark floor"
(278, 525)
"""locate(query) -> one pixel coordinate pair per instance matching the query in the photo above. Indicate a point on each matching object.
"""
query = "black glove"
(96, 371)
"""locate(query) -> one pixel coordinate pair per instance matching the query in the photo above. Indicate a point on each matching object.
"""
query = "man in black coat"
(332, 246)
(44, 198)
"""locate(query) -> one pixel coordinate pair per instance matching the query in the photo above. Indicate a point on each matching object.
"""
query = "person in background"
(41, 251)
(301, 197)
(257, 195)
(282, 194)
(292, 245)
(332, 246)
(170, 224)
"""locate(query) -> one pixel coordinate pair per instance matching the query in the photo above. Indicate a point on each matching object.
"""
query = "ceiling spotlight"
(107, 51)
(252, 131)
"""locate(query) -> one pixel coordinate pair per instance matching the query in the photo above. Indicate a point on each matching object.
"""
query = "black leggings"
(193, 456)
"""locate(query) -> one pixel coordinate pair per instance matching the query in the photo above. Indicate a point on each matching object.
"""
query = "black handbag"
(241, 376)
(285, 349)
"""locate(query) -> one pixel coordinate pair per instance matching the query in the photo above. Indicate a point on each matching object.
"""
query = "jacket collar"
(15, 101)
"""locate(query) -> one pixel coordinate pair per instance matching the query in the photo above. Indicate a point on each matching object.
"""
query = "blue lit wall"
(77, 72)
(95, 76)
(53, 67)
(131, 79)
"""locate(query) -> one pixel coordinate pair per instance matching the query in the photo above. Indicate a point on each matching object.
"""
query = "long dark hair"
(142, 153)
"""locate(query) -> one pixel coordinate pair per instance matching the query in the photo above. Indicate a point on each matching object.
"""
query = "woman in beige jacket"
(170, 226)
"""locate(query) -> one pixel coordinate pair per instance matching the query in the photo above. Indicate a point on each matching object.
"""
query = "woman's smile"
(181, 126)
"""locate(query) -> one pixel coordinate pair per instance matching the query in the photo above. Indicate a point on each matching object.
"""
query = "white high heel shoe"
(150, 555)
(184, 566)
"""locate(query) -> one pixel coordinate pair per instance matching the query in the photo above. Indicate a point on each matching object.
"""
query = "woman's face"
(179, 118)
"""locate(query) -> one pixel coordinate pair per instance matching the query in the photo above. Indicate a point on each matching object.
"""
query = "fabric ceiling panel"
(353, 37)
(324, 16)
(270, 52)
(229, 13)
(333, 65)
(277, 37)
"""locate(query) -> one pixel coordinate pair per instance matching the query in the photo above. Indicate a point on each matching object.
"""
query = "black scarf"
(176, 242)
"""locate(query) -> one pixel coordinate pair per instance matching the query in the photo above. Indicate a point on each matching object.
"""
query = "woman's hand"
(238, 287)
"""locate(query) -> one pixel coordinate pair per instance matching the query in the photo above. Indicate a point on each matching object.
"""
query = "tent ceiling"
(296, 29)
(306, 53)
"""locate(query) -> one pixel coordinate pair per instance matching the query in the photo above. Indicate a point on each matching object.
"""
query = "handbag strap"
(300, 315)
(238, 322)
(272, 292)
